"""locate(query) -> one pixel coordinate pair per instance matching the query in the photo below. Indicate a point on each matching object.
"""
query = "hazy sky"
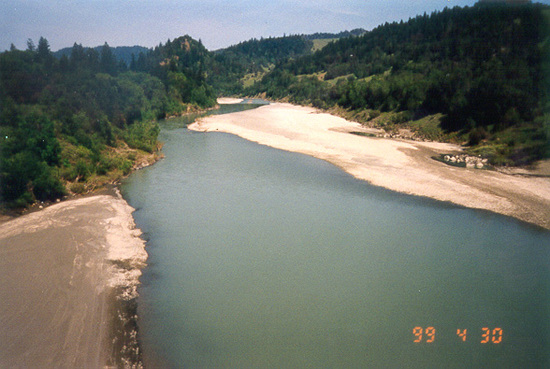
(218, 23)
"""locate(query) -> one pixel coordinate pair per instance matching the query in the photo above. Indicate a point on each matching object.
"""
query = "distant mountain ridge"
(121, 53)
(323, 35)
(124, 53)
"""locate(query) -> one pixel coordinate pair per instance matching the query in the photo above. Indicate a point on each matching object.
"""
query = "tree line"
(83, 119)
(484, 69)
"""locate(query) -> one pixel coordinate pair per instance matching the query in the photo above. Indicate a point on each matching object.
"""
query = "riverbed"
(262, 258)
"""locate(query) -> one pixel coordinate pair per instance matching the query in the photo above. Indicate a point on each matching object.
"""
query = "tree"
(44, 54)
(107, 61)
(30, 45)
(43, 48)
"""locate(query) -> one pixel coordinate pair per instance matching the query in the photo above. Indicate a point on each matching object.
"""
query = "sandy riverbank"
(228, 100)
(69, 273)
(403, 166)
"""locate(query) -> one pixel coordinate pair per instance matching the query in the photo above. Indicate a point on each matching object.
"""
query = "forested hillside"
(343, 34)
(481, 72)
(478, 75)
(77, 122)
(181, 65)
(238, 67)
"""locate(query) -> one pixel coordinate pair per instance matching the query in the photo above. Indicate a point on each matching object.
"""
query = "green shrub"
(68, 173)
(125, 166)
(78, 188)
(22, 201)
(82, 170)
(104, 165)
(48, 186)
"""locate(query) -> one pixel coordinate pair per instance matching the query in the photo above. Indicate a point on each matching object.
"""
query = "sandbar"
(400, 165)
(228, 100)
(66, 273)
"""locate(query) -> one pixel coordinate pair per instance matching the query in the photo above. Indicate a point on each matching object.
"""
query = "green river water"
(260, 258)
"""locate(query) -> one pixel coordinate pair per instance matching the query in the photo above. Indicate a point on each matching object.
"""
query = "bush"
(68, 173)
(125, 166)
(82, 170)
(105, 165)
(23, 200)
(143, 136)
(48, 186)
(16, 175)
(476, 136)
(78, 188)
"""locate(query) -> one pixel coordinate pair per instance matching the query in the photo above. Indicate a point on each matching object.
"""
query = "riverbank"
(228, 100)
(398, 165)
(69, 276)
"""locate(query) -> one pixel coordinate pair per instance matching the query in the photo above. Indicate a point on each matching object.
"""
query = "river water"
(261, 258)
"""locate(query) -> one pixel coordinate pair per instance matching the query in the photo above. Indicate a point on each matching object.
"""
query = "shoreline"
(70, 271)
(69, 283)
(109, 338)
(398, 165)
(229, 100)
(101, 221)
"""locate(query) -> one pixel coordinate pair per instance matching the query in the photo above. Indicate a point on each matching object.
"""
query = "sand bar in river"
(399, 165)
(62, 270)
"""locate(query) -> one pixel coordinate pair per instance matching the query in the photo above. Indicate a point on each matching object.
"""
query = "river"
(261, 258)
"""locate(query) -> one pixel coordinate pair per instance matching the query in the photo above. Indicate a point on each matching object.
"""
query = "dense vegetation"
(82, 120)
(482, 71)
(121, 53)
(181, 65)
(333, 36)
(233, 69)
(240, 65)
(83, 117)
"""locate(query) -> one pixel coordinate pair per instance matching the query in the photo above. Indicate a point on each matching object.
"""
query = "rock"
(476, 162)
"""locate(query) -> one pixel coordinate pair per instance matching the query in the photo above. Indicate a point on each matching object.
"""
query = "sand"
(399, 165)
(228, 100)
(63, 270)
(68, 271)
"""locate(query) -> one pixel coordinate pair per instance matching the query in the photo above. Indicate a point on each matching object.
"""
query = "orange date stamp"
(488, 335)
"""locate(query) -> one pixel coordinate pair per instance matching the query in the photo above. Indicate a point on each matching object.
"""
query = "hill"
(239, 66)
(325, 35)
(121, 53)
(476, 75)
(182, 65)
(480, 73)
(71, 124)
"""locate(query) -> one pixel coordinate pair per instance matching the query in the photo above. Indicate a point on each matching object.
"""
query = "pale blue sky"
(218, 23)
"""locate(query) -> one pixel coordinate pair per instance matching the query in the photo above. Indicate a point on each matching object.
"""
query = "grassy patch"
(335, 81)
(363, 134)
(518, 145)
(251, 78)
(428, 127)
(320, 43)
